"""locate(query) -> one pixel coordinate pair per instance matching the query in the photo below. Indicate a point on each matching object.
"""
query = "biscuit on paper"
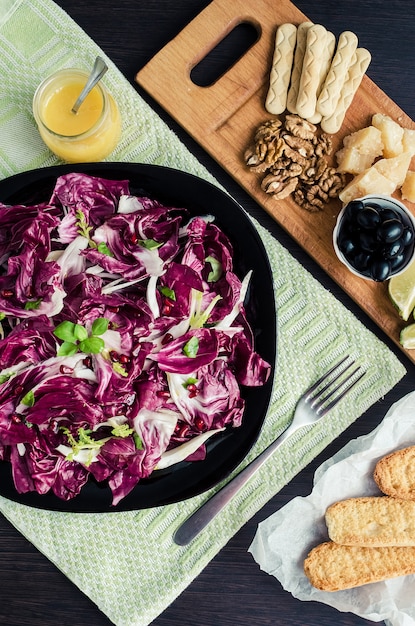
(333, 567)
(395, 474)
(372, 521)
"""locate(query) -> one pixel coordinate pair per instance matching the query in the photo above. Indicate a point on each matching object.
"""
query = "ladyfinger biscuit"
(326, 59)
(330, 93)
(280, 74)
(372, 521)
(297, 66)
(333, 567)
(332, 123)
(315, 119)
(310, 73)
(395, 474)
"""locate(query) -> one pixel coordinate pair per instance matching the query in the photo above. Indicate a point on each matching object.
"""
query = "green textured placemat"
(127, 562)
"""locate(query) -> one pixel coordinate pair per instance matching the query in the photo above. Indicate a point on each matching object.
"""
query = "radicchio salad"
(124, 341)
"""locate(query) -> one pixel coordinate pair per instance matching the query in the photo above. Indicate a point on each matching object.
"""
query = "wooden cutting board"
(223, 116)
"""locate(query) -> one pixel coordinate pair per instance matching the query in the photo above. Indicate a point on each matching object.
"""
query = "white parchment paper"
(283, 540)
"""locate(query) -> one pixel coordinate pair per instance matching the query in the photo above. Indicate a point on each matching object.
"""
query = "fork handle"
(205, 514)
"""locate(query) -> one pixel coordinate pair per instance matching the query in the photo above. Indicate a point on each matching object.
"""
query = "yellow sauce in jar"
(88, 135)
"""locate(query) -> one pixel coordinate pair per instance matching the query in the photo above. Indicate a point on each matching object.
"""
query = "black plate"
(225, 450)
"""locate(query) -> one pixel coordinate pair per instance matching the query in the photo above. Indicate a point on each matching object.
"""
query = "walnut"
(267, 147)
(314, 170)
(304, 147)
(314, 196)
(338, 183)
(323, 145)
(300, 127)
(280, 188)
(291, 155)
(268, 130)
(254, 162)
(283, 163)
(312, 204)
(295, 156)
(250, 156)
(331, 180)
(294, 169)
(273, 150)
(283, 175)
(316, 191)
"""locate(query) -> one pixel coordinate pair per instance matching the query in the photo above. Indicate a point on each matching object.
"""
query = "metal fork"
(311, 407)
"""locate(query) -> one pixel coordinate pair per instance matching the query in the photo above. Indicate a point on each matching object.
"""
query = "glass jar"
(92, 133)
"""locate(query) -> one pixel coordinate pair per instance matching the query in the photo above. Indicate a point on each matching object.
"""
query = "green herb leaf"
(103, 248)
(80, 332)
(190, 381)
(149, 244)
(31, 305)
(65, 331)
(119, 369)
(199, 317)
(2, 316)
(122, 430)
(92, 345)
(138, 442)
(28, 399)
(82, 225)
(84, 443)
(216, 271)
(99, 326)
(67, 349)
(5, 377)
(191, 348)
(168, 293)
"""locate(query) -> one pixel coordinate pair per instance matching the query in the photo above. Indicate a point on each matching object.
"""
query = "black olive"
(346, 228)
(389, 214)
(347, 246)
(360, 261)
(368, 218)
(373, 205)
(406, 221)
(354, 207)
(380, 270)
(407, 236)
(397, 262)
(390, 230)
(367, 240)
(392, 249)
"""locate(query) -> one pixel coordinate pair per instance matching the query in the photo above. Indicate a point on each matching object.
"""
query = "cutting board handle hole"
(225, 54)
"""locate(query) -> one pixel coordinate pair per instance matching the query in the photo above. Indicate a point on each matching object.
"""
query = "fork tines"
(318, 400)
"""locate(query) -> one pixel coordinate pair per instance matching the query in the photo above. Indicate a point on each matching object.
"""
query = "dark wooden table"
(231, 590)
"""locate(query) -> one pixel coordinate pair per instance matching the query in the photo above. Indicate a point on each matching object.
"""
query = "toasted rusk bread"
(333, 567)
(372, 521)
(395, 474)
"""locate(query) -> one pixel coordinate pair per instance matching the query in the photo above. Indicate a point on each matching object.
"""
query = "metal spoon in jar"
(98, 71)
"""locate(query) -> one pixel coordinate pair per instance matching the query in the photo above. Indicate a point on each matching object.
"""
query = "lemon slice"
(407, 337)
(402, 291)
